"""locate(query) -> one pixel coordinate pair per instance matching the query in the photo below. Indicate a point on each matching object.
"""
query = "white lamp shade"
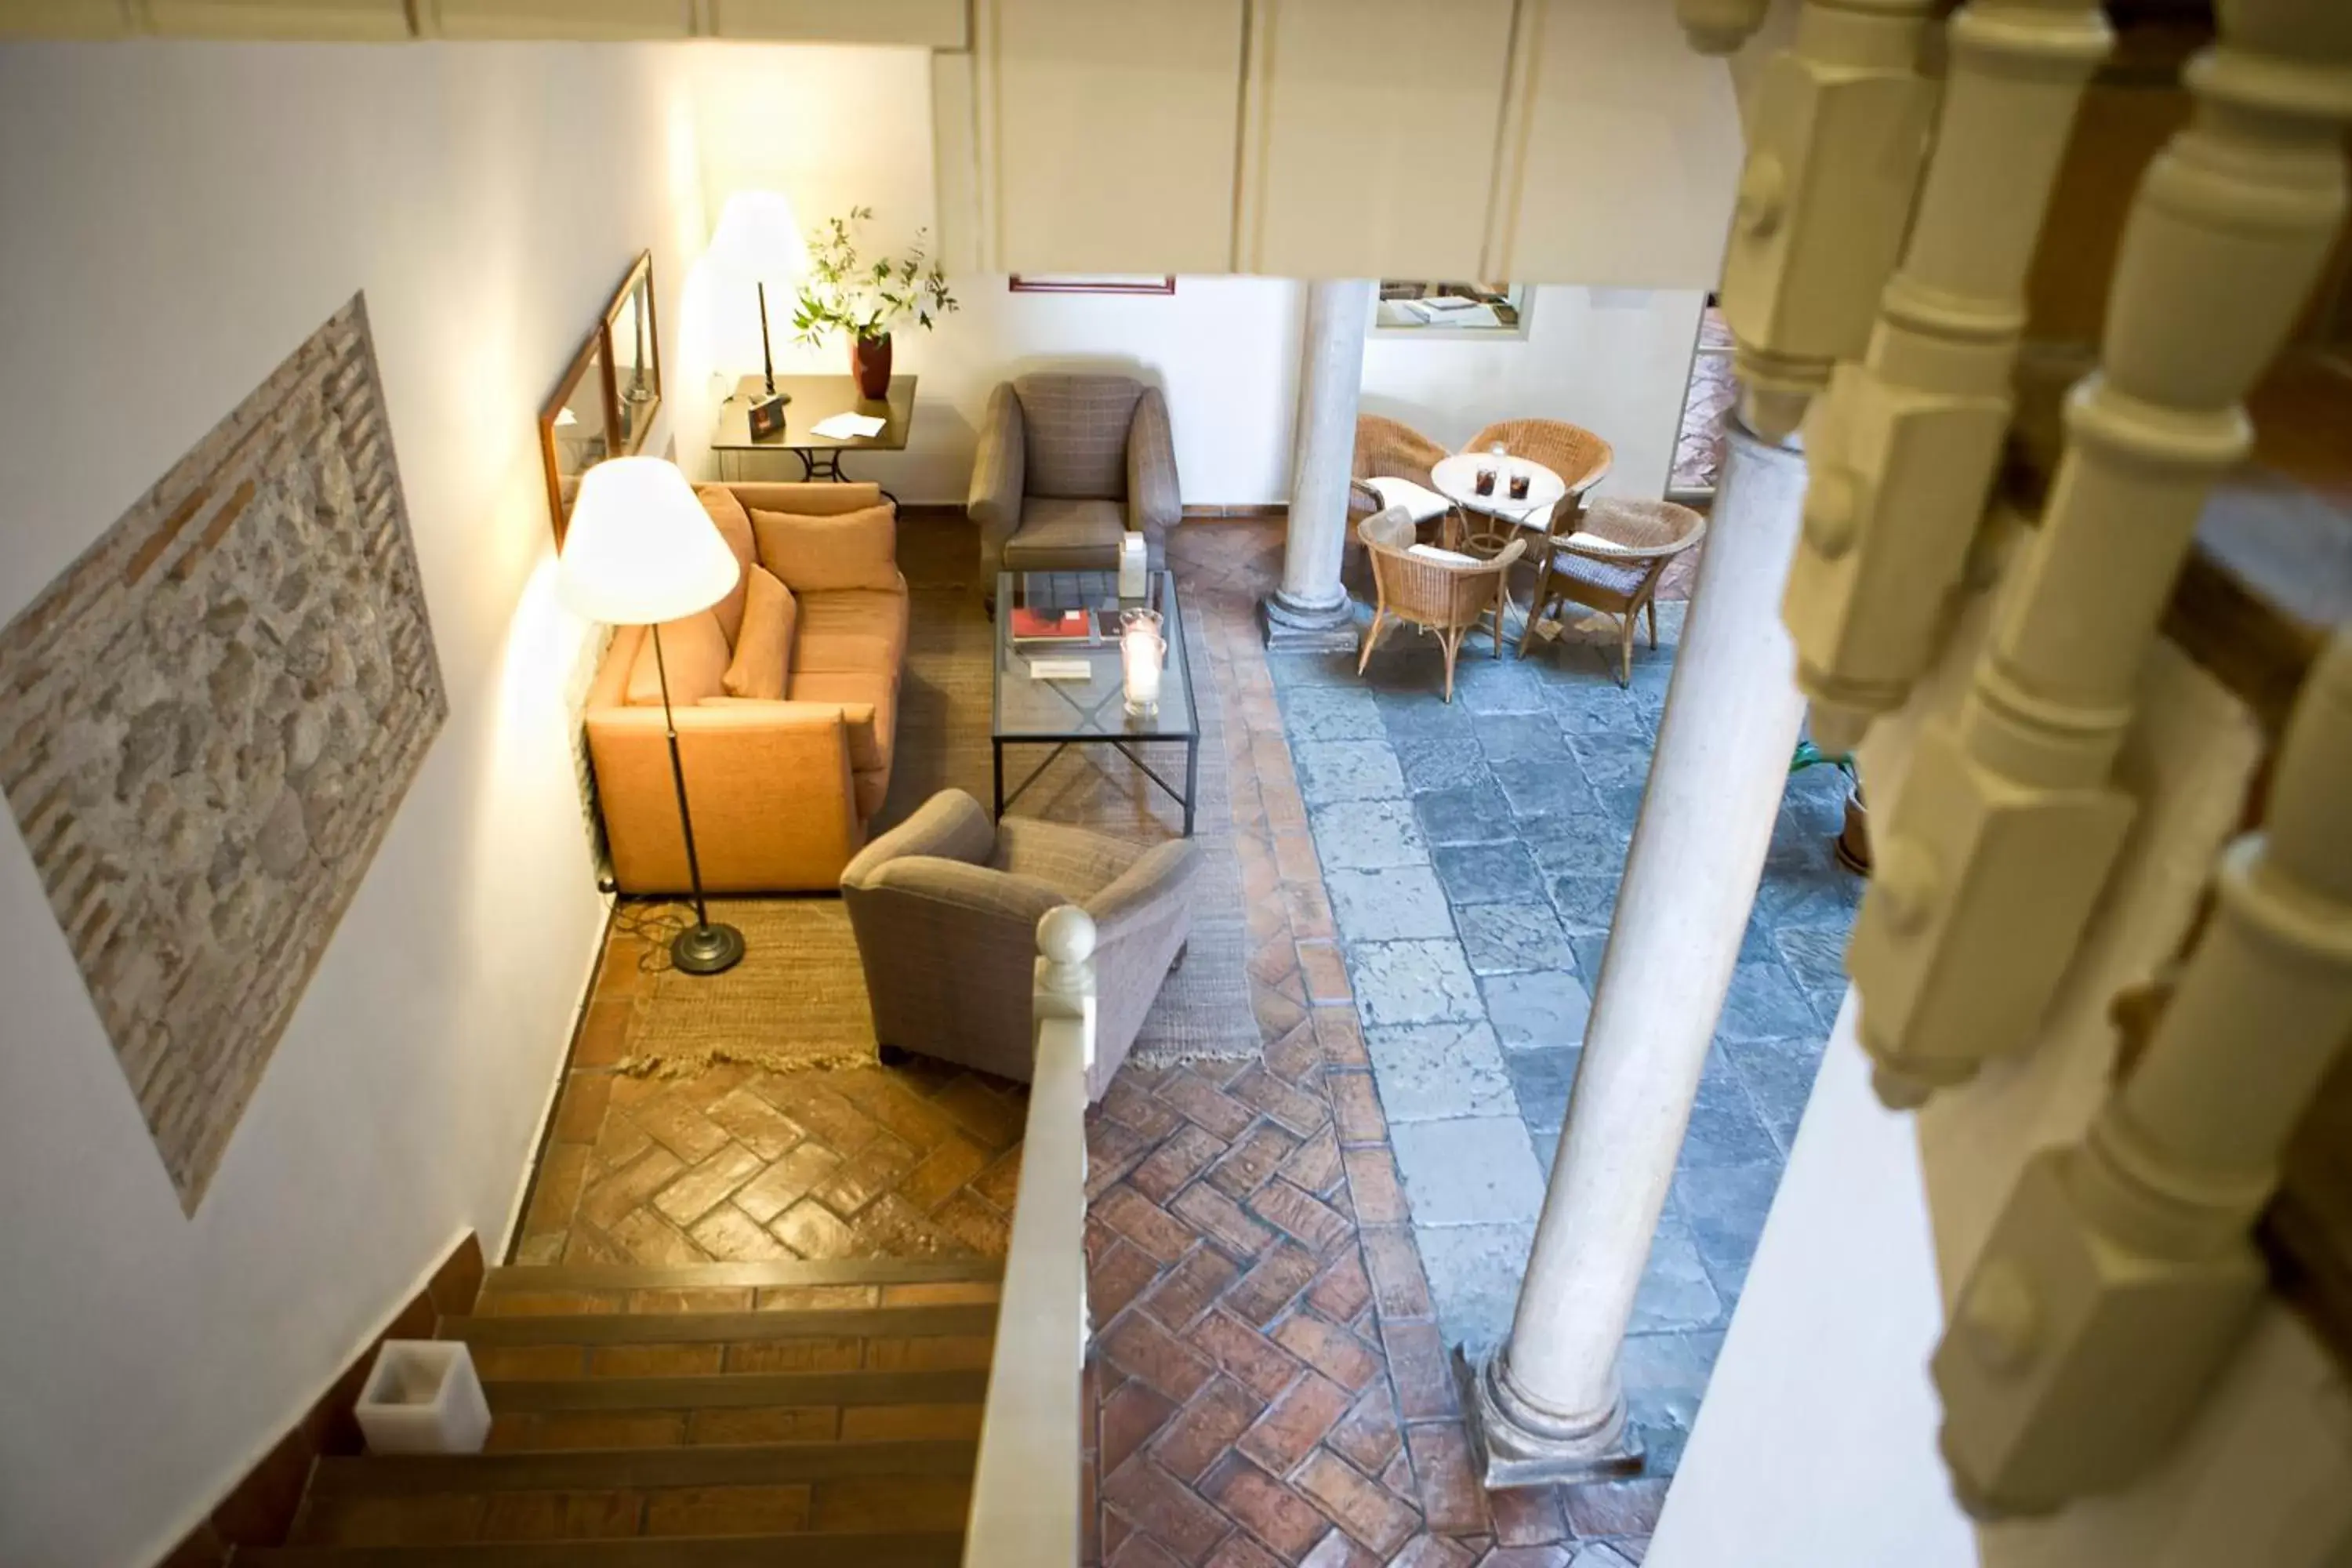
(640, 550)
(758, 240)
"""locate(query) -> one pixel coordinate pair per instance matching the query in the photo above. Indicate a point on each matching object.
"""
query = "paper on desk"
(841, 426)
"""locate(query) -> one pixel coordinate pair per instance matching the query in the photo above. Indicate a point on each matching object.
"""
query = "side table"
(813, 399)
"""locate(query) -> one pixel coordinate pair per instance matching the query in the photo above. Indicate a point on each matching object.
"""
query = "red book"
(1052, 626)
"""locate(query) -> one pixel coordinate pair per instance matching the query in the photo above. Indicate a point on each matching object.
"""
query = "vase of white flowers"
(863, 299)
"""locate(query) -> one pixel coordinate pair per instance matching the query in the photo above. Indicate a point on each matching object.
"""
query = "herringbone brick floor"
(1268, 1385)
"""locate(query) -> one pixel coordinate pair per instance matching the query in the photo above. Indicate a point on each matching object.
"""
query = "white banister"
(1904, 447)
(1025, 1495)
(2010, 818)
(1833, 156)
(1720, 26)
(2122, 1271)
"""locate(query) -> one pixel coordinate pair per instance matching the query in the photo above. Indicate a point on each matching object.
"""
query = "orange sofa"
(782, 788)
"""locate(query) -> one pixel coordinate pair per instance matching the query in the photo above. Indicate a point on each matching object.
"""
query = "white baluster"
(1904, 449)
(1840, 130)
(2009, 821)
(2126, 1263)
(1720, 26)
(1066, 971)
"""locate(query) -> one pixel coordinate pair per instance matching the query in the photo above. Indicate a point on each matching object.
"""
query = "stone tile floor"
(1472, 854)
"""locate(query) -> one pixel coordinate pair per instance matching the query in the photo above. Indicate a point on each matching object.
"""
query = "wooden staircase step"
(707, 1328)
(935, 1548)
(602, 1470)
(740, 1390)
(777, 1273)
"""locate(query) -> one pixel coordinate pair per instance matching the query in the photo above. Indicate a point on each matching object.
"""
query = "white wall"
(1815, 1445)
(833, 128)
(178, 217)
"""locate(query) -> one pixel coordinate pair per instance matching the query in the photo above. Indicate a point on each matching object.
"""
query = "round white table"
(1456, 479)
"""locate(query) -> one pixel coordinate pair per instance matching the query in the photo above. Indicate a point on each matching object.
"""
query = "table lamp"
(757, 238)
(641, 551)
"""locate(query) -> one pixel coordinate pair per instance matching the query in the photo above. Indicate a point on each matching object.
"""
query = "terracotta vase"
(869, 362)
(1853, 846)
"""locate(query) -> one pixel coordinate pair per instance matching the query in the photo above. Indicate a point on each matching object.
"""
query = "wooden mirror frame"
(591, 357)
(641, 276)
(596, 355)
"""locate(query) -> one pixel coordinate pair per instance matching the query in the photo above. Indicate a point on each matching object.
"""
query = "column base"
(1513, 1445)
(1310, 628)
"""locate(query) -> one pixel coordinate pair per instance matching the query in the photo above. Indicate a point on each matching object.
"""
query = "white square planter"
(424, 1398)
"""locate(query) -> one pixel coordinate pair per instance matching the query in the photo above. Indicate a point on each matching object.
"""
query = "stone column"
(1548, 1406)
(1311, 610)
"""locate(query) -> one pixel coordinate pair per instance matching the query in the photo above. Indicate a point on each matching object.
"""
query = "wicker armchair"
(1579, 458)
(1389, 450)
(1434, 594)
(1612, 562)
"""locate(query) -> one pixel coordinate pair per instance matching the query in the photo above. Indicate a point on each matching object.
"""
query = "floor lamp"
(758, 238)
(640, 551)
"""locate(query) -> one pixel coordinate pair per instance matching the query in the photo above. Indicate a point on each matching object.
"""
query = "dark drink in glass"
(1486, 481)
(1518, 487)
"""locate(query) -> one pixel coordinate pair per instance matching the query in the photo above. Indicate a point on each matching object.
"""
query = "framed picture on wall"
(1091, 283)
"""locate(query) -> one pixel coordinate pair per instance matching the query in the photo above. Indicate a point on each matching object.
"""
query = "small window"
(1450, 307)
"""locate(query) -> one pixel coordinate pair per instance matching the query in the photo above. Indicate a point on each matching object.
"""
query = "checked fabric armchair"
(1068, 465)
(945, 907)
(1431, 593)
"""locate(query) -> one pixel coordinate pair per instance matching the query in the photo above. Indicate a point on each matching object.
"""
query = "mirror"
(575, 428)
(630, 333)
(605, 404)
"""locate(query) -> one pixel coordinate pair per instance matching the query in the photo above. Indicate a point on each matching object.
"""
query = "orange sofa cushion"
(763, 650)
(734, 525)
(850, 631)
(695, 652)
(849, 550)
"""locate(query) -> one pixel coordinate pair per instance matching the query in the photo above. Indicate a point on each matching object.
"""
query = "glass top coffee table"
(1029, 710)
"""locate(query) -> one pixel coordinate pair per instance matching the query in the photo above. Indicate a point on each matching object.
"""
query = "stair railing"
(1026, 1497)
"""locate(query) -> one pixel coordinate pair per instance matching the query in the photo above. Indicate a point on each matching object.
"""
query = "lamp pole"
(702, 948)
(767, 355)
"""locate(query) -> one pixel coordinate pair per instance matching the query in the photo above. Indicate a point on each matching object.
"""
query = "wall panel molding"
(931, 24)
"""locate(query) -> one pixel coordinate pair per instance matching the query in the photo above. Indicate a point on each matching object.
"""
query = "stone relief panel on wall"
(206, 725)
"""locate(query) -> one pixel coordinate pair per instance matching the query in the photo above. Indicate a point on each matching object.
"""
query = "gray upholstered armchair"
(1067, 464)
(946, 907)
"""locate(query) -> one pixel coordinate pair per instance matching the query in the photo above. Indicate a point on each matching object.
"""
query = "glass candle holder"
(1141, 651)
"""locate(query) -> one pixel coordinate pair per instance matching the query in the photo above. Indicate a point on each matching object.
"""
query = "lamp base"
(707, 949)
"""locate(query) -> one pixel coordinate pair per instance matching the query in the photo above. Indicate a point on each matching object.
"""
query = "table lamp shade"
(758, 240)
(640, 550)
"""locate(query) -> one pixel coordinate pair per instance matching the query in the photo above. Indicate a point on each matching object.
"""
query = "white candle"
(1140, 652)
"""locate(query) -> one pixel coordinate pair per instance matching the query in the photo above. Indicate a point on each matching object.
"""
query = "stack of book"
(1034, 628)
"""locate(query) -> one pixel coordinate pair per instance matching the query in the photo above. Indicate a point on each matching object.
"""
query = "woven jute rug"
(798, 999)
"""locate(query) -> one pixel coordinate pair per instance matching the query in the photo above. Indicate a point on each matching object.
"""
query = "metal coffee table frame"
(1096, 709)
